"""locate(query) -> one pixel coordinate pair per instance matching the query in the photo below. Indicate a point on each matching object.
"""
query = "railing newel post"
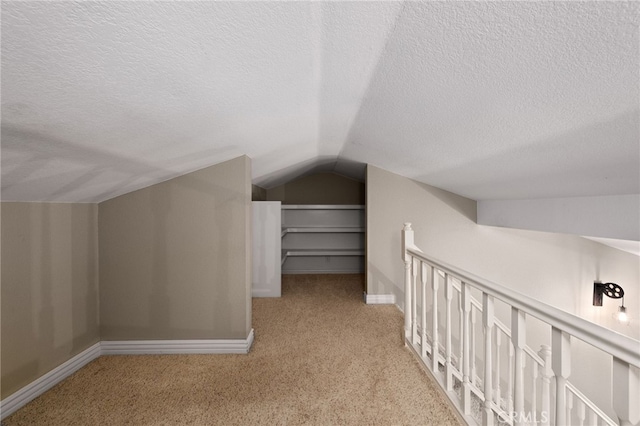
(407, 241)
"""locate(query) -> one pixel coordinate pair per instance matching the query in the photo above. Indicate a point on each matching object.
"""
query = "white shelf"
(311, 252)
(322, 238)
(320, 229)
(334, 252)
(322, 207)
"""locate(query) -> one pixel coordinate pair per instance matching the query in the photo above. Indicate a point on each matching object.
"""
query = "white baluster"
(407, 241)
(518, 338)
(534, 391)
(487, 323)
(561, 364)
(460, 331)
(472, 356)
(581, 412)
(448, 367)
(510, 380)
(434, 322)
(569, 406)
(626, 388)
(592, 418)
(545, 385)
(414, 297)
(466, 367)
(423, 316)
(497, 369)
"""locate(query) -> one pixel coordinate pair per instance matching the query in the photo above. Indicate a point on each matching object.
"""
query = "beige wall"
(175, 258)
(49, 287)
(554, 268)
(320, 188)
(258, 193)
(558, 269)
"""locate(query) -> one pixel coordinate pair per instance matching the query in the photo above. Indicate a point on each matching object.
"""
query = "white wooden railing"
(506, 381)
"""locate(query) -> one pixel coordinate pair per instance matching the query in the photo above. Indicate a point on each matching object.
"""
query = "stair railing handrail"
(421, 271)
(500, 325)
(618, 345)
(535, 357)
(588, 403)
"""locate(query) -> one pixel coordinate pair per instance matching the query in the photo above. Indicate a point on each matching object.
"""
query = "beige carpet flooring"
(320, 357)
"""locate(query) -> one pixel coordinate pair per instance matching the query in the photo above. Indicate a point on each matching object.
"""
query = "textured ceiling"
(490, 100)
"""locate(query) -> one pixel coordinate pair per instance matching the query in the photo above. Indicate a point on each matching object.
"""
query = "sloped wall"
(175, 258)
(49, 287)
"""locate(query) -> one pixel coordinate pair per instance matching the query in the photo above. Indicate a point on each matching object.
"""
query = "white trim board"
(321, 271)
(22, 397)
(19, 399)
(380, 299)
(179, 347)
(264, 292)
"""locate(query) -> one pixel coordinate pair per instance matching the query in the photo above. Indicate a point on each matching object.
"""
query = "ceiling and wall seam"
(488, 100)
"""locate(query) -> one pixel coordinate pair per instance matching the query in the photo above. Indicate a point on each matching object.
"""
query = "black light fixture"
(613, 291)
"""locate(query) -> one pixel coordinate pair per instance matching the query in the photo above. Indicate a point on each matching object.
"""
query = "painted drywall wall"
(319, 188)
(612, 216)
(175, 258)
(556, 269)
(258, 193)
(49, 287)
(559, 269)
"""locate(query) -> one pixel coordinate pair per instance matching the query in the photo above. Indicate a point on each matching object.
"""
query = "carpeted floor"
(320, 357)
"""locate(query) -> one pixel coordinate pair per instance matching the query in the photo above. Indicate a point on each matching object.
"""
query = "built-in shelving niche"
(323, 239)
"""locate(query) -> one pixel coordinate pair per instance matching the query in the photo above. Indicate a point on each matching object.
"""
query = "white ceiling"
(490, 100)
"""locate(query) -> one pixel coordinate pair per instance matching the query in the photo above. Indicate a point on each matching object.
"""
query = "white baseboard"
(157, 347)
(39, 386)
(380, 299)
(321, 271)
(266, 292)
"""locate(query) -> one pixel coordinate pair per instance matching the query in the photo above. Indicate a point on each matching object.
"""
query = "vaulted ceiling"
(490, 100)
